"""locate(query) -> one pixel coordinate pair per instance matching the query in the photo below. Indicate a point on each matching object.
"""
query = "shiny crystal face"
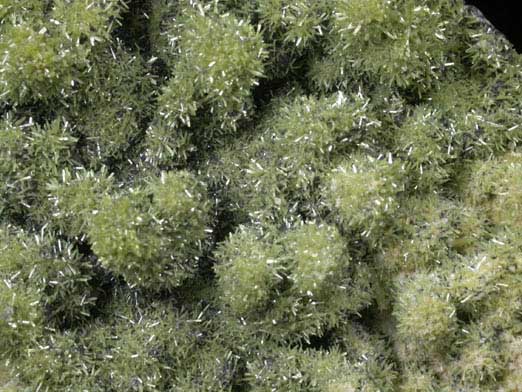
(254, 196)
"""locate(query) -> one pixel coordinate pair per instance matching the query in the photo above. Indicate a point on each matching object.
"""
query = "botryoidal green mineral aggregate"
(264, 195)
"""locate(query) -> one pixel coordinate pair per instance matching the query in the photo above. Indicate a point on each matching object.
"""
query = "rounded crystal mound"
(254, 196)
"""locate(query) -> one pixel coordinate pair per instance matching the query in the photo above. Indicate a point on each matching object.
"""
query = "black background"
(505, 15)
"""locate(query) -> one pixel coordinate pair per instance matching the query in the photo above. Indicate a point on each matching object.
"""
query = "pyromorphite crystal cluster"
(263, 195)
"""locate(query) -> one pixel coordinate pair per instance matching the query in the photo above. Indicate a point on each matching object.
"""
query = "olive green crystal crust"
(265, 195)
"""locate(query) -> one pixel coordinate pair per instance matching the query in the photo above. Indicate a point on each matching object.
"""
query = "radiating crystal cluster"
(262, 195)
